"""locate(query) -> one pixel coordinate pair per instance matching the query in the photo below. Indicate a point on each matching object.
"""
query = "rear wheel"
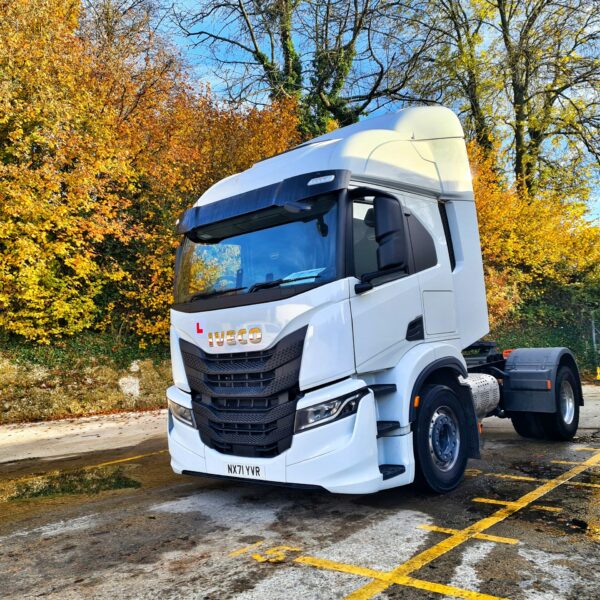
(529, 425)
(563, 424)
(440, 440)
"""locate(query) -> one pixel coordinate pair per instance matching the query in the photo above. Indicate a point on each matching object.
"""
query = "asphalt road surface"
(525, 523)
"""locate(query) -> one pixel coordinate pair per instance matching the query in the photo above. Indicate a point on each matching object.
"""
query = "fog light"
(181, 413)
(331, 410)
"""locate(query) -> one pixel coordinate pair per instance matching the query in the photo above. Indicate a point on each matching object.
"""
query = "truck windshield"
(298, 247)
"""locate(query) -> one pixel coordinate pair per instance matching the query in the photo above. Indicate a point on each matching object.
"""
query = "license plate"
(249, 471)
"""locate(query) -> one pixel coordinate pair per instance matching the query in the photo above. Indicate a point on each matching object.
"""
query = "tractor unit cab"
(323, 299)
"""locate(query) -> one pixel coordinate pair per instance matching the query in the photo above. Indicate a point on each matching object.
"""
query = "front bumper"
(342, 456)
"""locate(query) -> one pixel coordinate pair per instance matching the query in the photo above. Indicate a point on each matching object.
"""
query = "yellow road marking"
(246, 549)
(383, 580)
(103, 464)
(473, 472)
(586, 449)
(401, 575)
(567, 462)
(276, 554)
(517, 503)
(423, 558)
(541, 479)
(479, 536)
(323, 563)
(122, 460)
(555, 509)
(446, 590)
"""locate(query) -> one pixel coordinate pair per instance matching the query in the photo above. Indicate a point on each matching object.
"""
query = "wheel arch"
(445, 371)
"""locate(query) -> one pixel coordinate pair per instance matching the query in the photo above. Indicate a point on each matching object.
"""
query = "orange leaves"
(103, 144)
(199, 143)
(57, 173)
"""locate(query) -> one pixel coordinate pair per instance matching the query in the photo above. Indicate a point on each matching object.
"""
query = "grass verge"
(92, 373)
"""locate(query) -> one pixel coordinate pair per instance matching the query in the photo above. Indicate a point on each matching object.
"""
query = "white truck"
(328, 306)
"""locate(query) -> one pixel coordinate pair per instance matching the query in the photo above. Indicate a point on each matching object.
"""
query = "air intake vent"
(414, 331)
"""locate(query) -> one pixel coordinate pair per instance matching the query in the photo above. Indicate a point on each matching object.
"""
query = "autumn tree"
(339, 59)
(104, 141)
(458, 70)
(525, 73)
(60, 171)
(530, 245)
(197, 143)
(180, 140)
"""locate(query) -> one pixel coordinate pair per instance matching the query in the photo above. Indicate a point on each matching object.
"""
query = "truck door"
(382, 316)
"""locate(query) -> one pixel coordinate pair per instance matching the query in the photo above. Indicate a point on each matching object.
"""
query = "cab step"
(389, 471)
(379, 389)
(384, 427)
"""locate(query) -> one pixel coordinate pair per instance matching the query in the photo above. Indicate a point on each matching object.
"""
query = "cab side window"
(423, 246)
(365, 246)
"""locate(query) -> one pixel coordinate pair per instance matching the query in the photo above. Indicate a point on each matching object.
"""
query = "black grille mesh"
(245, 402)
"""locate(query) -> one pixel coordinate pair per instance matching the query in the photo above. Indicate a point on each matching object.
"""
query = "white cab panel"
(469, 285)
(421, 146)
(396, 407)
(380, 318)
(438, 308)
(436, 283)
(328, 348)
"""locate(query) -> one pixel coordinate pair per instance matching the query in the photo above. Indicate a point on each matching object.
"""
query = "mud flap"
(472, 425)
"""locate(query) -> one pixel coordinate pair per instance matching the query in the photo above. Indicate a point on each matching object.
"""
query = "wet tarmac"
(525, 523)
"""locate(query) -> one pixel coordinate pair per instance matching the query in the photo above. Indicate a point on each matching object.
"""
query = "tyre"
(563, 424)
(440, 440)
(529, 425)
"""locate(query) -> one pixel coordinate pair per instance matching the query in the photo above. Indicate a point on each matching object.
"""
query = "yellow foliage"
(103, 144)
(528, 243)
(59, 168)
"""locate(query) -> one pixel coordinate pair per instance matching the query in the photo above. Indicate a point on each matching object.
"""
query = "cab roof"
(420, 148)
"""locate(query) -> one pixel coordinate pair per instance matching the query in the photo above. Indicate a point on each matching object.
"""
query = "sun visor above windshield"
(289, 190)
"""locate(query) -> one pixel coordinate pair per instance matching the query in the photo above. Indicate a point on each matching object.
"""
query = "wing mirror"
(390, 233)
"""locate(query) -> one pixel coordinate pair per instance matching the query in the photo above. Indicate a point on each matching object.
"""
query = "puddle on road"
(80, 481)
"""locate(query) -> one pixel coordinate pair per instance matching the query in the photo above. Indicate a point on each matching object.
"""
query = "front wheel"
(440, 440)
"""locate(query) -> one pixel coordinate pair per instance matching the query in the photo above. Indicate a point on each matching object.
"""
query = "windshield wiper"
(277, 282)
(215, 293)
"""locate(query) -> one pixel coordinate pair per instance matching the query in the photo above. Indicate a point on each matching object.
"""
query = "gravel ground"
(181, 537)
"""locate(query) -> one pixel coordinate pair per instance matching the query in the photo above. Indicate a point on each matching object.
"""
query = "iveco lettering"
(328, 314)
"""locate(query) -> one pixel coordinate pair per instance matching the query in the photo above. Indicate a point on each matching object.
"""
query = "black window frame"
(380, 277)
(447, 233)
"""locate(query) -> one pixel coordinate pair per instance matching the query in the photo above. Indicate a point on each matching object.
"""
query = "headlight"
(181, 413)
(328, 411)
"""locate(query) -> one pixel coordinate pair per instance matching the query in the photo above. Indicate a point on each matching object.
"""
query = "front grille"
(245, 402)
